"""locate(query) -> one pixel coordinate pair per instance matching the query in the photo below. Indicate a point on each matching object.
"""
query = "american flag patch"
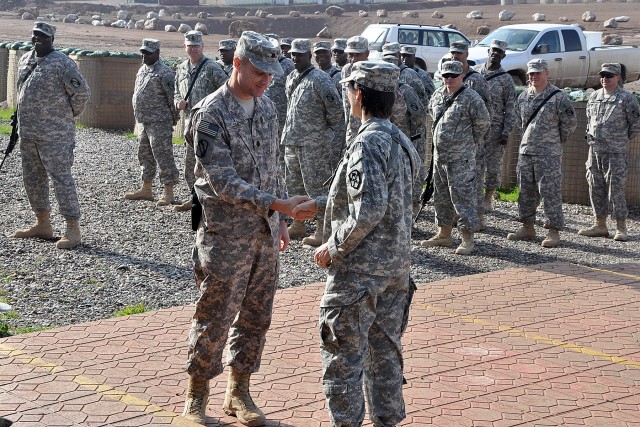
(208, 128)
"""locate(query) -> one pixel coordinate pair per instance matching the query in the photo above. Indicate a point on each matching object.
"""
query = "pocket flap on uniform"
(334, 389)
(340, 299)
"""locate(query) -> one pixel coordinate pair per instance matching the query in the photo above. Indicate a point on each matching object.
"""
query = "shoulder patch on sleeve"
(569, 112)
(330, 98)
(635, 113)
(355, 179)
(208, 128)
(204, 140)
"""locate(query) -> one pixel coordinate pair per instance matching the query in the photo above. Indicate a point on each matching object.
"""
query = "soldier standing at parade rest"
(322, 55)
(455, 137)
(51, 93)
(285, 46)
(337, 52)
(155, 115)
(276, 91)
(503, 118)
(408, 58)
(209, 76)
(226, 49)
(365, 305)
(234, 133)
(407, 75)
(540, 154)
(313, 134)
(613, 118)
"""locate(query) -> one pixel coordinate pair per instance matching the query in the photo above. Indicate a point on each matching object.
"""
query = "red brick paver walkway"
(555, 344)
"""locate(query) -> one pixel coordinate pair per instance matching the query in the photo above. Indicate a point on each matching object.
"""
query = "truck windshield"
(376, 36)
(517, 39)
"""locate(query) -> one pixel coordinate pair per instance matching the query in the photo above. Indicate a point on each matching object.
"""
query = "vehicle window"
(376, 37)
(433, 38)
(551, 39)
(408, 36)
(572, 42)
(516, 39)
(455, 37)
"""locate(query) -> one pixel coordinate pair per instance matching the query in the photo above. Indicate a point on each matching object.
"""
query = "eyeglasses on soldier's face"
(450, 76)
(607, 75)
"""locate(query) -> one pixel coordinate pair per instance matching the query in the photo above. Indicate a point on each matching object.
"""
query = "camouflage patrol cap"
(357, 44)
(227, 44)
(536, 66)
(499, 44)
(300, 46)
(193, 38)
(610, 67)
(459, 47)
(390, 58)
(150, 45)
(407, 50)
(286, 41)
(321, 46)
(391, 48)
(376, 75)
(339, 44)
(260, 52)
(44, 28)
(272, 36)
(451, 67)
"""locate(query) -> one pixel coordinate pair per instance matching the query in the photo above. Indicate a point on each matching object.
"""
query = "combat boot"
(526, 231)
(598, 229)
(297, 230)
(621, 231)
(41, 229)
(238, 402)
(489, 200)
(195, 406)
(184, 207)
(481, 222)
(168, 197)
(316, 239)
(144, 193)
(467, 246)
(443, 238)
(71, 237)
(552, 240)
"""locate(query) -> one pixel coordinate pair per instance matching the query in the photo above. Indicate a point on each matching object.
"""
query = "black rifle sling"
(537, 110)
(300, 78)
(195, 77)
(447, 104)
(333, 73)
(466, 76)
(493, 76)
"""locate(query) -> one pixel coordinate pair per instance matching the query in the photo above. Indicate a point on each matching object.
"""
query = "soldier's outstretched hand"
(306, 210)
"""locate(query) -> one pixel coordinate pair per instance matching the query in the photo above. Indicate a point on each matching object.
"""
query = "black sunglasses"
(450, 76)
(607, 75)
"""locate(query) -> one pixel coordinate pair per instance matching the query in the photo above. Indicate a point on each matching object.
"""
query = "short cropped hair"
(377, 103)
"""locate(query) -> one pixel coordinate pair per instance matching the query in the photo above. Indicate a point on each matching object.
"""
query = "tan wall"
(12, 76)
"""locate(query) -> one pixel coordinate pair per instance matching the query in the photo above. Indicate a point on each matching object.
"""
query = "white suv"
(431, 42)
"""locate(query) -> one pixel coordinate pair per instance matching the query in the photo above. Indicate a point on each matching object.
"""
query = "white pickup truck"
(574, 56)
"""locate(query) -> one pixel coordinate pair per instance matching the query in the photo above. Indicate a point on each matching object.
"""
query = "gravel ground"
(135, 253)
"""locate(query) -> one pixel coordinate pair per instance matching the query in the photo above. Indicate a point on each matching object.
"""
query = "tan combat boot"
(526, 231)
(184, 207)
(598, 229)
(443, 238)
(195, 407)
(71, 237)
(41, 229)
(316, 239)
(297, 230)
(481, 222)
(467, 246)
(144, 193)
(238, 402)
(168, 197)
(621, 231)
(489, 200)
(552, 240)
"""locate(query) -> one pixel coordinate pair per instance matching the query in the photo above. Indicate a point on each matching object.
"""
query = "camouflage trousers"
(362, 318)
(493, 155)
(540, 177)
(418, 141)
(237, 278)
(156, 149)
(44, 160)
(480, 168)
(607, 177)
(308, 167)
(455, 193)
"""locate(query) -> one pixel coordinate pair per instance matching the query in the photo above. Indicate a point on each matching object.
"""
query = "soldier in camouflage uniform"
(226, 49)
(210, 76)
(613, 118)
(338, 54)
(407, 75)
(285, 46)
(322, 55)
(408, 58)
(540, 154)
(365, 305)
(313, 133)
(51, 93)
(155, 116)
(503, 118)
(455, 138)
(234, 133)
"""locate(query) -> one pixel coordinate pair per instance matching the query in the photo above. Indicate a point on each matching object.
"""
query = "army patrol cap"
(260, 52)
(390, 58)
(610, 68)
(227, 44)
(357, 44)
(451, 67)
(272, 36)
(376, 75)
(391, 48)
(536, 66)
(150, 45)
(285, 41)
(499, 44)
(321, 46)
(459, 47)
(300, 46)
(193, 38)
(407, 50)
(339, 44)
(44, 28)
